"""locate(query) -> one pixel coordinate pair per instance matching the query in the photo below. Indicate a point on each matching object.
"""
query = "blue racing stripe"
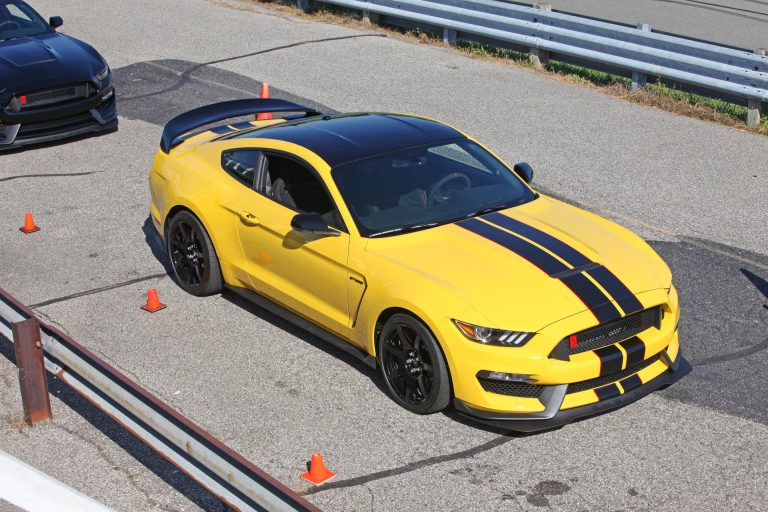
(607, 279)
(585, 289)
(617, 289)
(242, 126)
(563, 250)
(221, 130)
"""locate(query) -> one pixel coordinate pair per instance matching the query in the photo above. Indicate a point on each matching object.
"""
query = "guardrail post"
(449, 36)
(754, 107)
(304, 5)
(540, 58)
(639, 79)
(32, 378)
(371, 18)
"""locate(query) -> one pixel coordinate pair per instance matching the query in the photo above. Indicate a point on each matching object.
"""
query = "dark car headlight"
(489, 336)
(102, 75)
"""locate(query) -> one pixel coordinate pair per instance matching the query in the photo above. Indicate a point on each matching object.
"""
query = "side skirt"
(305, 324)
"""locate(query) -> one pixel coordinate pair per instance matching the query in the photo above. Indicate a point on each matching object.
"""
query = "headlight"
(101, 75)
(488, 336)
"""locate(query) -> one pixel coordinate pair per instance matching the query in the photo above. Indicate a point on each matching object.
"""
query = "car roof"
(343, 138)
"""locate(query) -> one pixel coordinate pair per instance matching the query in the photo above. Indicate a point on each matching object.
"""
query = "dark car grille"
(616, 331)
(607, 379)
(509, 388)
(70, 122)
(59, 95)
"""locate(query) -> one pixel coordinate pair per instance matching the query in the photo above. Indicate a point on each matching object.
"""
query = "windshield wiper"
(493, 209)
(403, 229)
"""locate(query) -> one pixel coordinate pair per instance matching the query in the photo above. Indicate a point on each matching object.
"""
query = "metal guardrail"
(217, 467)
(732, 72)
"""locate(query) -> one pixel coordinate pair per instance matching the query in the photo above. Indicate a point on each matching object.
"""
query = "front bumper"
(95, 114)
(553, 416)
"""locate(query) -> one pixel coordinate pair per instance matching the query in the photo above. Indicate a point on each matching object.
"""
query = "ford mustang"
(412, 246)
(52, 86)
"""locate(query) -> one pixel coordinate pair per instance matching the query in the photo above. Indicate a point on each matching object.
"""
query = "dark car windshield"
(17, 19)
(424, 186)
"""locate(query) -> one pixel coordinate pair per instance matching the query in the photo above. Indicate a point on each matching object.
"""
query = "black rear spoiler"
(198, 117)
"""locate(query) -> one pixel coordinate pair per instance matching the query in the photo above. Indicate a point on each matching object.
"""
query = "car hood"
(47, 60)
(511, 291)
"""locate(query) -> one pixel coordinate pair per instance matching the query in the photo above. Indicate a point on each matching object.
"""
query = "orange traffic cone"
(29, 224)
(153, 303)
(264, 95)
(317, 473)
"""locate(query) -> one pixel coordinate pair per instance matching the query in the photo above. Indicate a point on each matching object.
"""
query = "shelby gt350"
(52, 86)
(411, 245)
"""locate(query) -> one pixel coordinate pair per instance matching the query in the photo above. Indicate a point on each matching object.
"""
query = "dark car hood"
(43, 61)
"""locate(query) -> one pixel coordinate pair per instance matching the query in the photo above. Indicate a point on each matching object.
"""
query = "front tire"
(413, 366)
(192, 255)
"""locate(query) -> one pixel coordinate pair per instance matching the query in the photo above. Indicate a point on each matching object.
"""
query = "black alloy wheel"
(192, 255)
(413, 366)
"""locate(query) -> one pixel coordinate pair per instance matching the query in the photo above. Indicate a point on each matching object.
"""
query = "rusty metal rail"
(217, 467)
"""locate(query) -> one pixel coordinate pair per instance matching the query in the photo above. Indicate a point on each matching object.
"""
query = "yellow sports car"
(410, 245)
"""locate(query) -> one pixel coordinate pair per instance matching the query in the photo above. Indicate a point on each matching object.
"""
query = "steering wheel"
(436, 189)
(10, 22)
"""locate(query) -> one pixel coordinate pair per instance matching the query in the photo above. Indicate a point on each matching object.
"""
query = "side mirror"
(524, 171)
(311, 222)
(55, 21)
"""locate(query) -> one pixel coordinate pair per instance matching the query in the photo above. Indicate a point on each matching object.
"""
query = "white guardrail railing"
(217, 467)
(710, 67)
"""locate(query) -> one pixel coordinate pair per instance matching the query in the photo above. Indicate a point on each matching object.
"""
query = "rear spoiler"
(198, 117)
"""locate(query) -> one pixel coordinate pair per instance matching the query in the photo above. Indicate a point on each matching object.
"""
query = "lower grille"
(608, 379)
(58, 95)
(55, 124)
(510, 388)
(616, 331)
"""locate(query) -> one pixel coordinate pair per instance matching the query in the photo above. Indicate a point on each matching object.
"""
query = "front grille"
(71, 122)
(59, 95)
(607, 379)
(510, 388)
(616, 331)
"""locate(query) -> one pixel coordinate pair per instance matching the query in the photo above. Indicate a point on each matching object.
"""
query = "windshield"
(425, 186)
(17, 19)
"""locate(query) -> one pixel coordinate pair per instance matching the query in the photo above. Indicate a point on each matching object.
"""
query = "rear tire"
(192, 255)
(413, 366)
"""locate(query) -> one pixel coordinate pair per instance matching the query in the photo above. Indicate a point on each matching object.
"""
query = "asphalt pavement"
(695, 190)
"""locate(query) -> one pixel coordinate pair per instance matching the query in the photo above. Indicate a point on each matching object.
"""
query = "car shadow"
(305, 336)
(157, 246)
(123, 438)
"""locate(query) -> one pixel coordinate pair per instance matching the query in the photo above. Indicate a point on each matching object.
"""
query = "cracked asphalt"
(696, 191)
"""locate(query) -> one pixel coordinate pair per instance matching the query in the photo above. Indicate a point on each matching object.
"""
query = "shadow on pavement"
(145, 455)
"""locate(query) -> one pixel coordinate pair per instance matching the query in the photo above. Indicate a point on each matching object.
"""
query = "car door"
(303, 272)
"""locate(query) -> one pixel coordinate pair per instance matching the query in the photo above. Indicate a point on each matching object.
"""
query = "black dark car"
(51, 85)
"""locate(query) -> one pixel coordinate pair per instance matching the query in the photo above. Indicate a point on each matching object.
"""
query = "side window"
(241, 164)
(290, 183)
(17, 13)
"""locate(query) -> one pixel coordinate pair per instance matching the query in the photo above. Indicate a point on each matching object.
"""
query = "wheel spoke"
(404, 341)
(198, 273)
(421, 386)
(397, 352)
(409, 389)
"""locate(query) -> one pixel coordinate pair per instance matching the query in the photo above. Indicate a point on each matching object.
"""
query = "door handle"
(248, 218)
